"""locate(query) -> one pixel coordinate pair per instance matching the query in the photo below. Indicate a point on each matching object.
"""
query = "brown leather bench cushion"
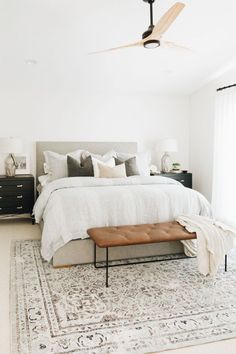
(139, 234)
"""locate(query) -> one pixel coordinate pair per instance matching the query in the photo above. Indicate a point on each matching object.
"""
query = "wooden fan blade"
(168, 44)
(136, 44)
(167, 19)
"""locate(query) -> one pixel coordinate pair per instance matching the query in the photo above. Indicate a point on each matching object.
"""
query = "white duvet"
(69, 206)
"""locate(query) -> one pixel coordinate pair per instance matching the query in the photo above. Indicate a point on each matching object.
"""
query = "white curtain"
(224, 170)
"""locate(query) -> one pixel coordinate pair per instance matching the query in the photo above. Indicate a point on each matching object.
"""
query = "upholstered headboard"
(63, 147)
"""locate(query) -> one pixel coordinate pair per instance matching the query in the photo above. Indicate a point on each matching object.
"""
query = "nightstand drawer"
(12, 188)
(184, 178)
(19, 209)
(15, 200)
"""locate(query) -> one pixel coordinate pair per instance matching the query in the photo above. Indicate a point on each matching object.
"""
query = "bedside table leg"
(33, 219)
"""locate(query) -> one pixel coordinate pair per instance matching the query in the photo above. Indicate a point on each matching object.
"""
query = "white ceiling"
(58, 34)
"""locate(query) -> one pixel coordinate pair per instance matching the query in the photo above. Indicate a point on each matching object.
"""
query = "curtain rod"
(225, 87)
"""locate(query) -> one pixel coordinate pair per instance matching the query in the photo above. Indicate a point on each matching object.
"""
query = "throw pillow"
(102, 158)
(109, 163)
(130, 166)
(111, 172)
(143, 160)
(75, 169)
(56, 164)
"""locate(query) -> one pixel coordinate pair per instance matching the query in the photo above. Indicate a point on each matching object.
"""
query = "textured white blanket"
(70, 206)
(214, 241)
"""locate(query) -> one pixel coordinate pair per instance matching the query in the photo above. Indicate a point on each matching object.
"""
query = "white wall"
(70, 116)
(202, 106)
(201, 139)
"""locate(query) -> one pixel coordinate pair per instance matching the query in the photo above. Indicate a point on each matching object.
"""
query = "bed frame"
(81, 251)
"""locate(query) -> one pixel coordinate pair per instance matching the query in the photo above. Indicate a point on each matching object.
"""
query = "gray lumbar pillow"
(75, 169)
(130, 166)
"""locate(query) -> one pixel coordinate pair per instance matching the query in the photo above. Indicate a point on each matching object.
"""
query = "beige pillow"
(109, 163)
(112, 172)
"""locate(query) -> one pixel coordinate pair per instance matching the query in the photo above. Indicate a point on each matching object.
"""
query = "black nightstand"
(184, 178)
(16, 194)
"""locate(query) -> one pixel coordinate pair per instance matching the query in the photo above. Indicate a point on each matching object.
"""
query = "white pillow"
(109, 163)
(112, 172)
(56, 164)
(45, 168)
(43, 180)
(103, 158)
(143, 160)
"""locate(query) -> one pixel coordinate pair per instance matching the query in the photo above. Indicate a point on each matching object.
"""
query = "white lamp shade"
(167, 145)
(10, 145)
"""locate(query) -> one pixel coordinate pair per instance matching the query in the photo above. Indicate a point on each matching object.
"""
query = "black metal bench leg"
(95, 255)
(226, 264)
(106, 267)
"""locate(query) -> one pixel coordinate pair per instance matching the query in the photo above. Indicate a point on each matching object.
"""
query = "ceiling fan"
(152, 37)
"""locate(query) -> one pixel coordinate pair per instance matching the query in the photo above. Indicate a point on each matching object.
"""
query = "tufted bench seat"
(106, 237)
(139, 234)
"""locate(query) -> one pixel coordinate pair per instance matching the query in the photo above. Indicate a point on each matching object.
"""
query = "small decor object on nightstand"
(176, 167)
(22, 164)
(10, 146)
(153, 170)
(167, 146)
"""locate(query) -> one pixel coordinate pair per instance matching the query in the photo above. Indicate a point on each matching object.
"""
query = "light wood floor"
(22, 230)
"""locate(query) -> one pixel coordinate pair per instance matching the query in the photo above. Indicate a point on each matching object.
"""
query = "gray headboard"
(63, 147)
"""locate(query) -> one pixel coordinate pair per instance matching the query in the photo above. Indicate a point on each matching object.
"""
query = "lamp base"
(166, 163)
(10, 166)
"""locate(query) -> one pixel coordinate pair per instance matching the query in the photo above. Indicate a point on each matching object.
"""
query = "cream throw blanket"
(214, 241)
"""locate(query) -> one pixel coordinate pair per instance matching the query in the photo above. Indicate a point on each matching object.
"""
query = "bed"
(67, 207)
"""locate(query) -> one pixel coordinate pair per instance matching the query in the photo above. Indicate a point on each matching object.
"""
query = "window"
(224, 170)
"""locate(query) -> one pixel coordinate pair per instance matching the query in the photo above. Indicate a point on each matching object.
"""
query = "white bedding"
(69, 206)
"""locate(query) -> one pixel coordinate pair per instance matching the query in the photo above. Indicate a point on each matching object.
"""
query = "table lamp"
(167, 146)
(10, 146)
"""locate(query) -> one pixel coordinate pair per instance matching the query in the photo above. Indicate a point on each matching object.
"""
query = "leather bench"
(142, 234)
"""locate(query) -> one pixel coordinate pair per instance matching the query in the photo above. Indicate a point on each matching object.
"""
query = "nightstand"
(16, 194)
(184, 178)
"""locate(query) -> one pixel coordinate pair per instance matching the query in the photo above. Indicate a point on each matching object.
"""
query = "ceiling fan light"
(151, 44)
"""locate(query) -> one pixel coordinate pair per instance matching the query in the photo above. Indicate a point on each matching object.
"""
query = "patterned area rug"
(147, 308)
